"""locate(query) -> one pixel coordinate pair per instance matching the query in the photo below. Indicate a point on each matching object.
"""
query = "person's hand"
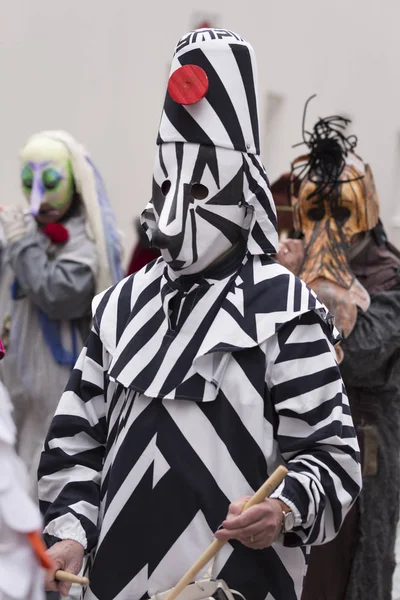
(291, 254)
(68, 556)
(13, 221)
(257, 527)
(342, 302)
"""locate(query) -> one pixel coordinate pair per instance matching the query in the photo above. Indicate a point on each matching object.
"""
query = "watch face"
(288, 522)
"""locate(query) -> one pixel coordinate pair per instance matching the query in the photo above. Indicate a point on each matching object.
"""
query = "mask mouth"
(48, 211)
(47, 214)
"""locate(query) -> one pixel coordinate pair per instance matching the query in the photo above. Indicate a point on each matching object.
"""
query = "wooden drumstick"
(71, 578)
(263, 492)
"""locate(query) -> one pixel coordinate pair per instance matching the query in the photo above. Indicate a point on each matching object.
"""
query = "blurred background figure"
(143, 253)
(284, 210)
(21, 548)
(347, 259)
(57, 254)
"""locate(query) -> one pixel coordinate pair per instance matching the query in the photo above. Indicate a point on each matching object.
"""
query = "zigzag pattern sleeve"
(314, 430)
(71, 462)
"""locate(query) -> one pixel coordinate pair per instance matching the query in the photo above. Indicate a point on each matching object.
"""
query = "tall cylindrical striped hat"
(211, 101)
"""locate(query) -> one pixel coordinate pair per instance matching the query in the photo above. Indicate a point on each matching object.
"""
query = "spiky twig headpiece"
(328, 150)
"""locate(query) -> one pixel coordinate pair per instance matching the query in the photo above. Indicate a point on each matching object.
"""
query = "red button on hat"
(188, 84)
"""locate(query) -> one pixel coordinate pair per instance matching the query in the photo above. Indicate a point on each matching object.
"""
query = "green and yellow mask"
(47, 179)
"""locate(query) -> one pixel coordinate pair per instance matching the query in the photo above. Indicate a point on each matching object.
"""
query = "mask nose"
(326, 255)
(36, 198)
(36, 201)
(165, 242)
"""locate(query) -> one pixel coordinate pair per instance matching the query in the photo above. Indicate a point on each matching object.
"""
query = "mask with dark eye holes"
(333, 197)
(198, 210)
(210, 188)
(332, 218)
(332, 223)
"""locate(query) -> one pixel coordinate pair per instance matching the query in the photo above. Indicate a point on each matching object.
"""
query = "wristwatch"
(287, 518)
(287, 521)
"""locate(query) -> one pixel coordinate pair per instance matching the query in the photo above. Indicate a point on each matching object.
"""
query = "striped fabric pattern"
(222, 124)
(228, 116)
(185, 399)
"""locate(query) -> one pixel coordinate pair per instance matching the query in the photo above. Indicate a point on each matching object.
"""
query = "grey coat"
(58, 280)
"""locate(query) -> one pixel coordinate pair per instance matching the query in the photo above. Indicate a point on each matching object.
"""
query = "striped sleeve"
(71, 462)
(314, 430)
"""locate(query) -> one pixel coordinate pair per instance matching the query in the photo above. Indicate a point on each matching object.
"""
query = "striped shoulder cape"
(170, 342)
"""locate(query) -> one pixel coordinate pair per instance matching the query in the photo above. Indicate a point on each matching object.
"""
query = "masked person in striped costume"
(203, 372)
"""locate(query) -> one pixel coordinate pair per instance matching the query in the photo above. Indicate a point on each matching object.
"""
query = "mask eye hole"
(316, 213)
(165, 187)
(199, 191)
(27, 177)
(341, 214)
(51, 179)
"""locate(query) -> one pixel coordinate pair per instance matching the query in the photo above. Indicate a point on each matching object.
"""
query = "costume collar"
(221, 269)
(188, 360)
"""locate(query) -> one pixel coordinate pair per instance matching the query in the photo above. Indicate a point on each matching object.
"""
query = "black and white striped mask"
(209, 185)
(197, 210)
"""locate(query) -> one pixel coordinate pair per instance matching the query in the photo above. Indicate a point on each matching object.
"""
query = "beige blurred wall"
(98, 69)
